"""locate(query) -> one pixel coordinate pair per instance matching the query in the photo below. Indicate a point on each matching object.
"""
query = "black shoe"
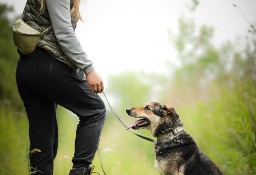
(82, 171)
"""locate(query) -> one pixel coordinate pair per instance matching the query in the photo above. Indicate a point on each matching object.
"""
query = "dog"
(176, 151)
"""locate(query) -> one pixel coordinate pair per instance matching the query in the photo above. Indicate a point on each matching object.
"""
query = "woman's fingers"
(95, 82)
(97, 88)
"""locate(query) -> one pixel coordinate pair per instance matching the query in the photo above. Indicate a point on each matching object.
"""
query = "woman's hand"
(95, 82)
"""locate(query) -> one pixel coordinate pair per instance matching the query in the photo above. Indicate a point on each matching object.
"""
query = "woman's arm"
(59, 12)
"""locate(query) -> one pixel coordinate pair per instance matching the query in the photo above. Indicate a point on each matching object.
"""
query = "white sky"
(131, 34)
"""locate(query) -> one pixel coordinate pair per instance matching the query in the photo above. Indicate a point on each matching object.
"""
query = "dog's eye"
(147, 108)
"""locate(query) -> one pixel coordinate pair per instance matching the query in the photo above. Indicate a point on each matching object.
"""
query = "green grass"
(121, 152)
(216, 127)
(13, 142)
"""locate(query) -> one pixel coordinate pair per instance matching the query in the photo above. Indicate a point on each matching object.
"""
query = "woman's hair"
(75, 12)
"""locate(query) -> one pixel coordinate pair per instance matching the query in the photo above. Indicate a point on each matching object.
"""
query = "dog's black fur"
(176, 151)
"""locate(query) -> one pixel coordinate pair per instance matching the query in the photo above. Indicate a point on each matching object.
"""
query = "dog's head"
(156, 117)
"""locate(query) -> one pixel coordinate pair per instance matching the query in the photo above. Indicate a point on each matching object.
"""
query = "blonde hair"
(75, 12)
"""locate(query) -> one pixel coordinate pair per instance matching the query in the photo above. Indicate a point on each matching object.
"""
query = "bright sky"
(131, 34)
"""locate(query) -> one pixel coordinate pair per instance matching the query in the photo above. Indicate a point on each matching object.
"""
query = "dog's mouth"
(141, 123)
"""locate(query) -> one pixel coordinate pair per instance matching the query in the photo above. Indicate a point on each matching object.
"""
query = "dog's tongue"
(138, 124)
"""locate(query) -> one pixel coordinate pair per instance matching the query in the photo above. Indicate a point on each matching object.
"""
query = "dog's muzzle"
(141, 123)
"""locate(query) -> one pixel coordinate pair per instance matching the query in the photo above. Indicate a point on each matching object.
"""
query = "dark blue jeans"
(43, 83)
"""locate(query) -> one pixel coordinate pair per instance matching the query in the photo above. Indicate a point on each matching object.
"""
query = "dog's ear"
(169, 114)
(167, 109)
(162, 110)
(170, 120)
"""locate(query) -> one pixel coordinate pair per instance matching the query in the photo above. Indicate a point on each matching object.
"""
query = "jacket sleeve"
(59, 12)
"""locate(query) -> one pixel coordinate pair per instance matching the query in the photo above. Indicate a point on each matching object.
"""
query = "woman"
(58, 72)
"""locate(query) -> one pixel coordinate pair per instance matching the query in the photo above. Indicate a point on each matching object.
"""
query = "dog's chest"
(168, 161)
(169, 167)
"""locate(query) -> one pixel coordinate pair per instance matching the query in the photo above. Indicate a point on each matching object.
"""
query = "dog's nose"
(128, 111)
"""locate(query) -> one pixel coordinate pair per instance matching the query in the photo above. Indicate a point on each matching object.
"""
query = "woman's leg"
(73, 93)
(41, 113)
(63, 85)
(42, 133)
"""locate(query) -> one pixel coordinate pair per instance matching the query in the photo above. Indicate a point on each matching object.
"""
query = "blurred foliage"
(8, 59)
(129, 85)
(218, 85)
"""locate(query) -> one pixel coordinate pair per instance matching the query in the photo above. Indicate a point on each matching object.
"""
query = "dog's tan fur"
(164, 166)
(176, 151)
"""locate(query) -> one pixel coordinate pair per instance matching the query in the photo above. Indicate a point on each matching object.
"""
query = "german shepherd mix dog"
(176, 151)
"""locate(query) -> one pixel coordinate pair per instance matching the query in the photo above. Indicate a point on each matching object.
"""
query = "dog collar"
(172, 133)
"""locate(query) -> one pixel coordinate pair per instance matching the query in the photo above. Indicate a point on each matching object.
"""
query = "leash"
(124, 125)
(102, 168)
